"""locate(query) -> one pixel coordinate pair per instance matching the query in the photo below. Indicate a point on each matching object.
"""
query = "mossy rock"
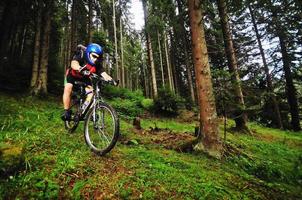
(11, 159)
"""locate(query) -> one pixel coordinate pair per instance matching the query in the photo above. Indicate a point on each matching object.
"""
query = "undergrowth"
(265, 165)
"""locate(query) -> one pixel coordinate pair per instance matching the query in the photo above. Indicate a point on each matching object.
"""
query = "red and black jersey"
(80, 57)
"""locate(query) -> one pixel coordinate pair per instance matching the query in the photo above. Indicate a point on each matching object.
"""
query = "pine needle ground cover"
(146, 164)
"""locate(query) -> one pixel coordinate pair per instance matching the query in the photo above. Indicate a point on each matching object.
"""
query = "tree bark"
(173, 64)
(23, 41)
(122, 54)
(67, 49)
(241, 117)
(8, 22)
(146, 82)
(90, 7)
(266, 70)
(41, 84)
(209, 142)
(73, 39)
(145, 76)
(36, 58)
(115, 41)
(186, 49)
(160, 59)
(151, 62)
(150, 54)
(290, 88)
(13, 41)
(170, 78)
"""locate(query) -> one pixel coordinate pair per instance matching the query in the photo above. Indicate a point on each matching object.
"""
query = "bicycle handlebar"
(96, 76)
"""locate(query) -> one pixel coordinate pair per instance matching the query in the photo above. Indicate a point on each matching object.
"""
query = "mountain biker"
(85, 58)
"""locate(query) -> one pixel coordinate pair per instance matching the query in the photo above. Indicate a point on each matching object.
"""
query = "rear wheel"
(101, 129)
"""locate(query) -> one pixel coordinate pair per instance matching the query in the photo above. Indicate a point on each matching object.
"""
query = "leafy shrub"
(123, 93)
(168, 103)
(147, 104)
(132, 103)
(126, 107)
(124, 101)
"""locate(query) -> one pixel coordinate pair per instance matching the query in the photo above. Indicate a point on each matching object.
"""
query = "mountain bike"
(101, 123)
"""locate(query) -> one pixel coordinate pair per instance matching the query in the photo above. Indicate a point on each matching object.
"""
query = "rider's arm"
(106, 76)
(101, 71)
(75, 65)
(77, 58)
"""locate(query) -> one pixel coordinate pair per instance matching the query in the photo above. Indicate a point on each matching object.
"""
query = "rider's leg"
(67, 95)
(66, 101)
(89, 92)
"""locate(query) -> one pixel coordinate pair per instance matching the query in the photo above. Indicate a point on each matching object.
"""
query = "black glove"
(82, 68)
(113, 82)
(85, 72)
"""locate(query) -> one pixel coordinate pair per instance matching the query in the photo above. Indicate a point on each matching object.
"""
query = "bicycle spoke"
(101, 128)
(103, 135)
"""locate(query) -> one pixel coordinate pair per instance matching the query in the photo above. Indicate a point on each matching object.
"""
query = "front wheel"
(101, 129)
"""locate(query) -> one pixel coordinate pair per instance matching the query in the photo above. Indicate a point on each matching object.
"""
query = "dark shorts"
(71, 79)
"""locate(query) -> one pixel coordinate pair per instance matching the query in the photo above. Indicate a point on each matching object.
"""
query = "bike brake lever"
(81, 68)
(86, 73)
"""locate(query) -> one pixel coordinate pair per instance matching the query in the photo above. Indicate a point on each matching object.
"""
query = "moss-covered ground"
(145, 164)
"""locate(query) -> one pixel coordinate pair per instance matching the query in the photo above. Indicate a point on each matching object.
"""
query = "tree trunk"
(130, 81)
(189, 75)
(241, 117)
(13, 41)
(173, 64)
(125, 77)
(150, 54)
(41, 85)
(36, 59)
(146, 82)
(68, 52)
(21, 37)
(290, 88)
(7, 22)
(209, 142)
(10, 14)
(145, 76)
(122, 54)
(115, 41)
(168, 63)
(137, 81)
(23, 41)
(73, 39)
(90, 7)
(160, 59)
(268, 75)
(186, 49)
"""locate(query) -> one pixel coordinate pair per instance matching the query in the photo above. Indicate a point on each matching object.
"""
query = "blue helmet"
(93, 48)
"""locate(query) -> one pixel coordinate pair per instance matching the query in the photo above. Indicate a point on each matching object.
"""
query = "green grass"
(266, 165)
(169, 124)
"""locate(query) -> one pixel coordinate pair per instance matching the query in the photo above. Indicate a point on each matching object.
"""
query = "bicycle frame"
(95, 79)
(96, 114)
(96, 97)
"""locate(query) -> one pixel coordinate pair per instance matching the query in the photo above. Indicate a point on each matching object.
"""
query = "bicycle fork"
(98, 116)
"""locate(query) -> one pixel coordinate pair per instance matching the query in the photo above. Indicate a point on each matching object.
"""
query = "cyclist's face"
(94, 57)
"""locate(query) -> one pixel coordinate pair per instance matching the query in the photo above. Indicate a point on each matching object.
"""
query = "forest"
(209, 99)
